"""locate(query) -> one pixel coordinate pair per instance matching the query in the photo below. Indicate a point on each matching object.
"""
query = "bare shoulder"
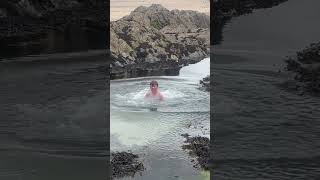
(161, 96)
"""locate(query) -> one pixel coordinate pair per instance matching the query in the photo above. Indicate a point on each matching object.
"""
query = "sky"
(120, 8)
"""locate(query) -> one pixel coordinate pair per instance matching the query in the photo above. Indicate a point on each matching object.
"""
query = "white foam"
(196, 71)
(173, 94)
(137, 98)
(138, 129)
(133, 124)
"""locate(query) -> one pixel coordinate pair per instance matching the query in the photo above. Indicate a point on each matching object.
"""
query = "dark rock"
(27, 21)
(205, 84)
(125, 164)
(186, 135)
(305, 69)
(224, 10)
(200, 147)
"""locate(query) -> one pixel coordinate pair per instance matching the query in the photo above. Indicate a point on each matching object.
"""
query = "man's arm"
(161, 97)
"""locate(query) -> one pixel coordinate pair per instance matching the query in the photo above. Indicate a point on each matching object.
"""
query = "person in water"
(154, 92)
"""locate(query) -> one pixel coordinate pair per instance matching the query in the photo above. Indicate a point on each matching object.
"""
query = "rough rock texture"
(200, 148)
(23, 20)
(150, 35)
(125, 164)
(305, 67)
(205, 84)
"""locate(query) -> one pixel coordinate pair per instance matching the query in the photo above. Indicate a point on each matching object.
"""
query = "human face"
(153, 87)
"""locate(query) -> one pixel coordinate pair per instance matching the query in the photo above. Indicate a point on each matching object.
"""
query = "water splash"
(195, 72)
(132, 120)
(185, 109)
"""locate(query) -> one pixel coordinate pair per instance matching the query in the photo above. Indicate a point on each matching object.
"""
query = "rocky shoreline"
(199, 147)
(19, 18)
(125, 164)
(225, 10)
(153, 41)
(231, 8)
(23, 23)
(304, 70)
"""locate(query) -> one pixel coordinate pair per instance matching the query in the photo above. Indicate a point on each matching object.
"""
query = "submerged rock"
(200, 147)
(305, 70)
(125, 164)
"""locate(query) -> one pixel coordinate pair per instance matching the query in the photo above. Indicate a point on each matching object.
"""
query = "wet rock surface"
(125, 164)
(205, 84)
(305, 70)
(199, 147)
(153, 35)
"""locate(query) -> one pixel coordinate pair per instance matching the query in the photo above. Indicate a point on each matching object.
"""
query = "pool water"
(156, 135)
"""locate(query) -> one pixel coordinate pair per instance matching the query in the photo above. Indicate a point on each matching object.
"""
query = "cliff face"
(154, 34)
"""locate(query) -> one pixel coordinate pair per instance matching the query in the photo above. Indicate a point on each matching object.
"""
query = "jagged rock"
(155, 34)
(205, 83)
(305, 67)
(200, 147)
(125, 164)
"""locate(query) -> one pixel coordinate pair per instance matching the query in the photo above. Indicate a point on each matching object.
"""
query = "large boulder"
(155, 34)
